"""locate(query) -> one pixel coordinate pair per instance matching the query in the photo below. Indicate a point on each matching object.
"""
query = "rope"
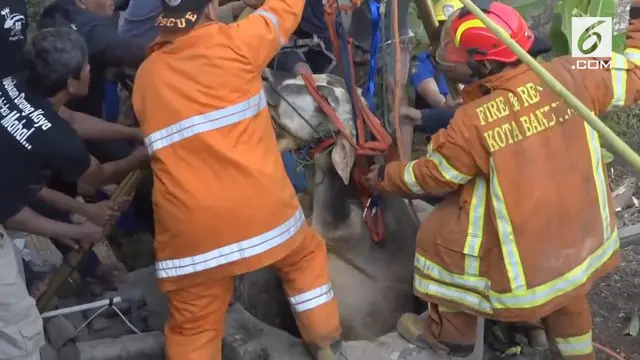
(295, 109)
(608, 351)
(90, 319)
(398, 83)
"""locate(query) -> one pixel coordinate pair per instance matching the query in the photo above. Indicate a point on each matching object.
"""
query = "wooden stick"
(124, 193)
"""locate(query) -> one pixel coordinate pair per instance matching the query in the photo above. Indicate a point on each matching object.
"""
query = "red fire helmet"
(465, 37)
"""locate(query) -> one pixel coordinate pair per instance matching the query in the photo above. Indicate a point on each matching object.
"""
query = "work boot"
(332, 352)
(412, 328)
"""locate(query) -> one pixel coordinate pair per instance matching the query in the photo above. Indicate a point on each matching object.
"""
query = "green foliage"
(526, 8)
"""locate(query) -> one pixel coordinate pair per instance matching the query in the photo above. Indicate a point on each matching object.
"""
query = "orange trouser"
(569, 327)
(197, 314)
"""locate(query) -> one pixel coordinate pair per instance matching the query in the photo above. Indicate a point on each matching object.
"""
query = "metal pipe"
(83, 307)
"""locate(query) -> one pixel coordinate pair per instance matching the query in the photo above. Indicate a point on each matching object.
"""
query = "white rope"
(100, 311)
(127, 321)
(90, 319)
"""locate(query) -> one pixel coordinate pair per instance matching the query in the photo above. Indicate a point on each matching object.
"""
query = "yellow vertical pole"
(430, 24)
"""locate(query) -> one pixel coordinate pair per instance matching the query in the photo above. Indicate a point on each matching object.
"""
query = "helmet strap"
(478, 69)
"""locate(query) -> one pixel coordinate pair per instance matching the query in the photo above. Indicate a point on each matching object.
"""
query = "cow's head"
(301, 121)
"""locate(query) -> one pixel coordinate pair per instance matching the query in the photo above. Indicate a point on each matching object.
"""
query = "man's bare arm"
(62, 202)
(99, 175)
(30, 221)
(98, 213)
(116, 171)
(92, 128)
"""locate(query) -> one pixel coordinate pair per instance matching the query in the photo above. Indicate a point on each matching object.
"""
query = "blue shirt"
(139, 20)
(422, 69)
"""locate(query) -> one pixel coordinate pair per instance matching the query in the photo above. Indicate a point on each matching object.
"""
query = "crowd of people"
(223, 204)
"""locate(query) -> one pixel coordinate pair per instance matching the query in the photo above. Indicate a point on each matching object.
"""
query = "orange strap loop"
(365, 120)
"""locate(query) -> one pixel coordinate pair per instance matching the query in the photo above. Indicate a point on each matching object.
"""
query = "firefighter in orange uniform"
(527, 225)
(223, 204)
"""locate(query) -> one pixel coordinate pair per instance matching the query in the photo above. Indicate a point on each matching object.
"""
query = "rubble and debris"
(148, 346)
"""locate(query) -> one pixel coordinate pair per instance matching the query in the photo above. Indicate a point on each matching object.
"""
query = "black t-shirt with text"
(13, 36)
(34, 142)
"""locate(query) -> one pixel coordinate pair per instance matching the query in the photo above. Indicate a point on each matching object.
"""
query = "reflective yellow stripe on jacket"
(619, 68)
(409, 178)
(505, 233)
(597, 166)
(476, 227)
(448, 172)
(471, 279)
(575, 346)
(474, 291)
(453, 287)
(632, 55)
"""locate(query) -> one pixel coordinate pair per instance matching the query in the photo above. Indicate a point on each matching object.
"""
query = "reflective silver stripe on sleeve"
(311, 299)
(206, 122)
(237, 251)
(274, 21)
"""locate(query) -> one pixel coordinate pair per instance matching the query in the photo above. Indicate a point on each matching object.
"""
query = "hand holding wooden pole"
(123, 194)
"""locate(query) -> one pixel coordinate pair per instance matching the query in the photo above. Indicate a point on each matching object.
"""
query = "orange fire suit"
(223, 204)
(527, 225)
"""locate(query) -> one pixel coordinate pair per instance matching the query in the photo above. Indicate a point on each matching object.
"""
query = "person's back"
(223, 205)
(537, 159)
(233, 172)
(27, 123)
(527, 225)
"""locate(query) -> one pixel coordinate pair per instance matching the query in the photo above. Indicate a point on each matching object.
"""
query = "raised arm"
(267, 29)
(93, 128)
(114, 49)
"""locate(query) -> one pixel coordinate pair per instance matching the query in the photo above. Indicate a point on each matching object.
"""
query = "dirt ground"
(617, 297)
(613, 301)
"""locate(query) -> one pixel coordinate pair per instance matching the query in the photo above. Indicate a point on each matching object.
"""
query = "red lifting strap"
(372, 217)
(362, 147)
(365, 119)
